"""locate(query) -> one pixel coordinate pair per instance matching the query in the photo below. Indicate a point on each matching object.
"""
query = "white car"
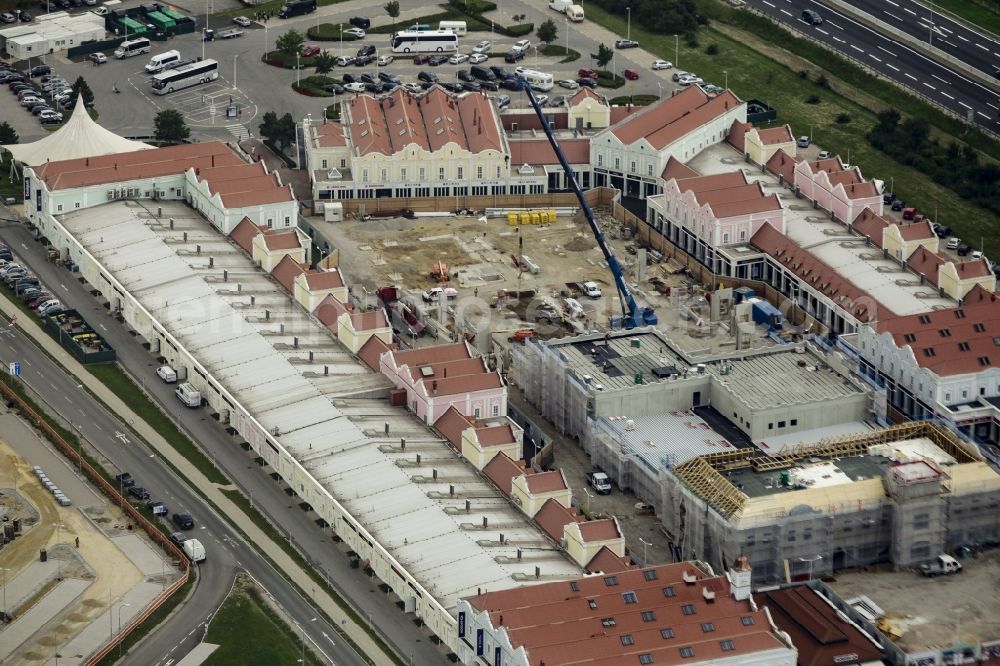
(542, 99)
(662, 64)
(384, 60)
(483, 47)
(522, 45)
(357, 87)
(412, 87)
(458, 58)
(357, 32)
(689, 80)
(242, 21)
(344, 61)
(568, 84)
(477, 58)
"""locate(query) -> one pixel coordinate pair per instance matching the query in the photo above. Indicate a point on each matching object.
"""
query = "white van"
(575, 13)
(457, 27)
(572, 308)
(560, 5)
(541, 81)
(194, 550)
(159, 62)
(167, 374)
(188, 395)
(132, 47)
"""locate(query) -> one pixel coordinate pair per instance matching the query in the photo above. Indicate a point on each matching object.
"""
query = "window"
(925, 319)
(707, 627)
(324, 165)
(461, 172)
(669, 591)
(648, 616)
(402, 173)
(633, 167)
(687, 652)
(929, 352)
(910, 337)
(618, 164)
(959, 314)
(781, 424)
(793, 422)
(478, 414)
(770, 426)
(649, 170)
(727, 646)
(963, 346)
(611, 581)
(364, 175)
(440, 173)
(479, 172)
(645, 658)
(984, 361)
(421, 173)
(608, 622)
(747, 620)
(666, 633)
(688, 609)
(743, 236)
(592, 603)
(496, 410)
(600, 159)
(627, 639)
(650, 574)
(944, 333)
(978, 328)
(629, 597)
(498, 171)
(573, 585)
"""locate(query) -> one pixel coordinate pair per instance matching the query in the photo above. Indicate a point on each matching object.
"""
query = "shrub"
(328, 32)
(822, 81)
(803, 73)
(812, 99)
(843, 118)
(712, 49)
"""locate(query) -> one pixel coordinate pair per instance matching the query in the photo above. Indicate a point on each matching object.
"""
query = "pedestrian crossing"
(239, 131)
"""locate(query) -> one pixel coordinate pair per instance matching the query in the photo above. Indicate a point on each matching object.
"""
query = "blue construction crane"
(632, 315)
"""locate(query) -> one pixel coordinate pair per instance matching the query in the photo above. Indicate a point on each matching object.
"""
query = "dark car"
(500, 72)
(178, 538)
(374, 88)
(364, 60)
(360, 22)
(472, 86)
(898, 205)
(349, 78)
(963, 249)
(125, 479)
(421, 59)
(388, 77)
(887, 198)
(510, 84)
(366, 50)
(38, 109)
(513, 56)
(585, 81)
(463, 75)
(489, 85)
(626, 44)
(138, 492)
(25, 17)
(39, 70)
(157, 507)
(811, 17)
(39, 299)
(436, 60)
(453, 87)
(483, 73)
(943, 231)
(429, 77)
(183, 521)
(366, 77)
(334, 88)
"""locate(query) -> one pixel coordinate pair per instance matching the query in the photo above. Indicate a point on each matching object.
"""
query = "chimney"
(739, 578)
(434, 387)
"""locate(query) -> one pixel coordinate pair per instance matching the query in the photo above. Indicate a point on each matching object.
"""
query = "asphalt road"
(890, 58)
(226, 551)
(317, 547)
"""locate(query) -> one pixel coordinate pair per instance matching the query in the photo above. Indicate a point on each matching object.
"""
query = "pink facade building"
(836, 188)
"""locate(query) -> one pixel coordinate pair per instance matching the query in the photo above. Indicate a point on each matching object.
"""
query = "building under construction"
(898, 495)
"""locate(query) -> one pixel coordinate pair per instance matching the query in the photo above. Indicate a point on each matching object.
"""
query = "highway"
(317, 546)
(226, 551)
(891, 58)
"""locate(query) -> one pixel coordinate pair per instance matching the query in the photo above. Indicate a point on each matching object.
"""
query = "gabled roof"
(546, 482)
(324, 279)
(917, 231)
(286, 271)
(871, 224)
(553, 518)
(494, 434)
(539, 152)
(773, 135)
(371, 352)
(451, 425)
(244, 185)
(584, 93)
(666, 121)
(281, 240)
(729, 194)
(607, 562)
(600, 530)
(977, 268)
(244, 233)
(330, 135)
(737, 135)
(501, 470)
(436, 354)
(926, 263)
(677, 169)
(783, 164)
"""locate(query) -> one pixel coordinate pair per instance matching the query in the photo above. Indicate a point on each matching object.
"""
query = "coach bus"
(186, 76)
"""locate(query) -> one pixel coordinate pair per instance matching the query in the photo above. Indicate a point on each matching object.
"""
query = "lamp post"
(123, 605)
(589, 496)
(677, 50)
(726, 73)
(930, 28)
(302, 636)
(265, 40)
(341, 26)
(660, 86)
(811, 560)
(234, 71)
(298, 71)
(628, 31)
(4, 570)
(644, 543)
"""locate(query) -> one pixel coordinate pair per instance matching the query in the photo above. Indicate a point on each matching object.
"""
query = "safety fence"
(112, 493)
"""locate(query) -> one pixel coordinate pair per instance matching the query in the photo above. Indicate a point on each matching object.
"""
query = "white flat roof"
(667, 439)
(334, 428)
(812, 229)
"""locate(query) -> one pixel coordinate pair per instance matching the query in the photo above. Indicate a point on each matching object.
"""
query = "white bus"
(457, 27)
(537, 80)
(186, 76)
(133, 47)
(424, 41)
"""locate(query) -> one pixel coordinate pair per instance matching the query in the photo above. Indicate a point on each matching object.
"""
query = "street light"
(677, 50)
(628, 32)
(4, 570)
(811, 560)
(726, 73)
(644, 543)
(123, 605)
(660, 86)
(302, 635)
(589, 497)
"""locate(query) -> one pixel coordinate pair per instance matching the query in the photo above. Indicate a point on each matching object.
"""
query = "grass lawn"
(250, 633)
(8, 187)
(559, 52)
(637, 100)
(983, 13)
(761, 70)
(123, 386)
(312, 86)
(271, 6)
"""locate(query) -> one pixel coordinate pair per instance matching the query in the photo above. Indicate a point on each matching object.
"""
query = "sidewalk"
(196, 479)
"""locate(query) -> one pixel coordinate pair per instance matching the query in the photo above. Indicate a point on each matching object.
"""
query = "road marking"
(874, 57)
(907, 74)
(834, 25)
(27, 363)
(954, 46)
(892, 15)
(98, 427)
(983, 115)
(977, 44)
(769, 4)
(887, 51)
(121, 437)
(966, 106)
(785, 11)
(907, 9)
(860, 50)
(24, 246)
(929, 86)
(964, 39)
(65, 288)
(940, 79)
(823, 31)
(102, 326)
(891, 66)
(838, 39)
(53, 386)
(894, 4)
(328, 638)
(947, 95)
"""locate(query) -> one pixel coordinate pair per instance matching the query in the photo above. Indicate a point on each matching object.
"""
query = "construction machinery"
(632, 315)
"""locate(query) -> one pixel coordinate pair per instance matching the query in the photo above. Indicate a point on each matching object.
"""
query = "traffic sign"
(15, 368)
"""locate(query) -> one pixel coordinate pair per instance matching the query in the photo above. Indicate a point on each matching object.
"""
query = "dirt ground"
(115, 573)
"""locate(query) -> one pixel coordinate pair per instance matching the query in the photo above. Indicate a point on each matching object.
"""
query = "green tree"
(83, 90)
(279, 132)
(603, 56)
(290, 42)
(392, 9)
(547, 31)
(170, 126)
(324, 62)
(7, 134)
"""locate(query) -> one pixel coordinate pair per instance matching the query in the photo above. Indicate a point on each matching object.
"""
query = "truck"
(107, 7)
(229, 33)
(766, 314)
(575, 13)
(599, 481)
(591, 289)
(560, 5)
(189, 395)
(296, 8)
(194, 550)
(942, 565)
(433, 295)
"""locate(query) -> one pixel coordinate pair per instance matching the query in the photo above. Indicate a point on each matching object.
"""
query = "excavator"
(633, 316)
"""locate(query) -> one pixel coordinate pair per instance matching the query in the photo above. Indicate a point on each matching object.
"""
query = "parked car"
(388, 77)
(452, 87)
(963, 250)
(384, 60)
(500, 72)
(436, 60)
(942, 231)
(626, 44)
(421, 58)
(358, 33)
(662, 64)
(513, 56)
(587, 73)
(183, 521)
(631, 74)
(344, 61)
(803, 142)
(367, 50)
(367, 77)
(355, 87)
(521, 45)
(588, 82)
(412, 87)
(178, 538)
(7, 17)
(125, 479)
(458, 59)
(362, 61)
(489, 85)
(824, 155)
(510, 84)
(138, 492)
(362, 22)
(472, 86)
(242, 21)
(503, 101)
(483, 46)
(334, 88)
(477, 58)
(898, 205)
(690, 80)
(953, 243)
(37, 70)
(429, 77)
(568, 84)
(464, 75)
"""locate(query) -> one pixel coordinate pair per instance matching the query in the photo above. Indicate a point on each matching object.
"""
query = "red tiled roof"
(438, 354)
(328, 311)
(328, 279)
(729, 194)
(471, 383)
(539, 151)
(666, 121)
(819, 631)
(737, 135)
(451, 425)
(371, 352)
(286, 271)
(546, 482)
(817, 274)
(677, 169)
(244, 233)
(329, 135)
(977, 268)
(607, 562)
(600, 530)
(917, 231)
(926, 263)
(496, 434)
(620, 113)
(444, 369)
(585, 92)
(860, 190)
(586, 620)
(553, 517)
(871, 224)
(244, 185)
(479, 122)
(773, 135)
(956, 341)
(281, 240)
(783, 164)
(501, 470)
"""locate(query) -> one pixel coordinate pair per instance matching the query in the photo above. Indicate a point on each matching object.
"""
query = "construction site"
(74, 570)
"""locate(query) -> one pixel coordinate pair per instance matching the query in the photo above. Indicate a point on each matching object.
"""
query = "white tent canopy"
(80, 137)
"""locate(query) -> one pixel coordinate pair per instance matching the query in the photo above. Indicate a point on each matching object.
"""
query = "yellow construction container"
(543, 217)
(535, 219)
(525, 218)
(552, 216)
(512, 218)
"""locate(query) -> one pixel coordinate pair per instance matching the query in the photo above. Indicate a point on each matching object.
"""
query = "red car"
(310, 50)
(585, 73)
(421, 58)
(631, 74)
